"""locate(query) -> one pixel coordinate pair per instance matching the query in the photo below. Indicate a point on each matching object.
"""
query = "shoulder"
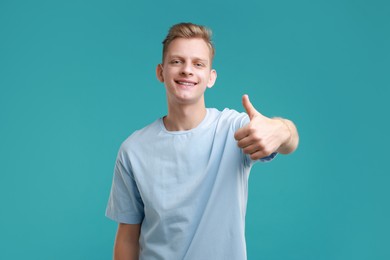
(140, 136)
(226, 113)
(232, 118)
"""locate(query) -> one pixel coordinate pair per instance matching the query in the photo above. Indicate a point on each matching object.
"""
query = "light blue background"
(77, 77)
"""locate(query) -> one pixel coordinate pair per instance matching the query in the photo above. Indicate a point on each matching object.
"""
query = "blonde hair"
(189, 31)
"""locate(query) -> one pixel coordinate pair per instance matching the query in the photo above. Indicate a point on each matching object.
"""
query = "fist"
(262, 136)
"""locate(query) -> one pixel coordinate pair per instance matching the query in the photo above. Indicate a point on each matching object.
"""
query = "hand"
(262, 136)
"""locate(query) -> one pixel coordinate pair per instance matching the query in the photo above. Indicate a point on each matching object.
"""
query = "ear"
(212, 79)
(159, 73)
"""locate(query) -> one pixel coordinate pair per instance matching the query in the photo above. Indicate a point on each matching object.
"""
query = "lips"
(186, 83)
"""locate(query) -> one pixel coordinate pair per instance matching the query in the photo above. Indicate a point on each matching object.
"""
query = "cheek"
(170, 73)
(207, 78)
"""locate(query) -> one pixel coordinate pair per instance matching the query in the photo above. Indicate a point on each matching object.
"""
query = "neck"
(184, 117)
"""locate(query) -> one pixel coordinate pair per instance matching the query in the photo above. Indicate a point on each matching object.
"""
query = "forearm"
(291, 142)
(127, 242)
(124, 250)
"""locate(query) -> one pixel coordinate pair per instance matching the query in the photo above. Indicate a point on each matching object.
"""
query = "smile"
(185, 83)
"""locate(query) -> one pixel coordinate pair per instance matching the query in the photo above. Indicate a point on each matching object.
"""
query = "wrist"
(288, 130)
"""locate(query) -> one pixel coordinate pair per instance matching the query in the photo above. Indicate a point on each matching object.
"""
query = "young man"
(180, 184)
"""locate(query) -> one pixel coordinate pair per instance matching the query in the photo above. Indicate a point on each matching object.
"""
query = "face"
(186, 71)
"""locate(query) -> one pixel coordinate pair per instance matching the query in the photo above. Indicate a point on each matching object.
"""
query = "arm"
(291, 143)
(126, 242)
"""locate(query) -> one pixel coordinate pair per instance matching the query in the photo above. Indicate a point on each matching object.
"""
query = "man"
(180, 184)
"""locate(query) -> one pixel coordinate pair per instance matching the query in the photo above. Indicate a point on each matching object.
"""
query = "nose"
(187, 69)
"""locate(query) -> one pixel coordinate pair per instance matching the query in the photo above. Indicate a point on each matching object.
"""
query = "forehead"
(189, 48)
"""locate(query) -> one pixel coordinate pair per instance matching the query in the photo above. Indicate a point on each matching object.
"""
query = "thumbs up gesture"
(263, 135)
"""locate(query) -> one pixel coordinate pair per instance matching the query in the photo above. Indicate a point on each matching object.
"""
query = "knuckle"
(267, 151)
(257, 137)
(260, 146)
(251, 129)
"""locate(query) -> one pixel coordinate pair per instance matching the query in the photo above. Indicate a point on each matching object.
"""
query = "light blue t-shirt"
(187, 188)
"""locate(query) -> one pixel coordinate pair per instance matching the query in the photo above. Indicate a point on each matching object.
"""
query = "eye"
(174, 62)
(199, 64)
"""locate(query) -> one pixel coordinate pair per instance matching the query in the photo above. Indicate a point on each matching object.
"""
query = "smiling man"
(180, 184)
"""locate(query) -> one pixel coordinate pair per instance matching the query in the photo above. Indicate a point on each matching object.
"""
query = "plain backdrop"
(78, 77)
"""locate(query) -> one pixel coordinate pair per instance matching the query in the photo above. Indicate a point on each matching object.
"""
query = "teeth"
(186, 83)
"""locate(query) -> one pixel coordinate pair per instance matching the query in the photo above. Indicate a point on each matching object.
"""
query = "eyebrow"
(175, 56)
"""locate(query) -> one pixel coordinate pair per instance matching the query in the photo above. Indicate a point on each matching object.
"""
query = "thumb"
(249, 108)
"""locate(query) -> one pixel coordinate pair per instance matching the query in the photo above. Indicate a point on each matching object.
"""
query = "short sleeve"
(125, 204)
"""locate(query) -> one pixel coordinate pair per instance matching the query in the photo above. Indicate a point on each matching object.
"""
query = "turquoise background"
(77, 77)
